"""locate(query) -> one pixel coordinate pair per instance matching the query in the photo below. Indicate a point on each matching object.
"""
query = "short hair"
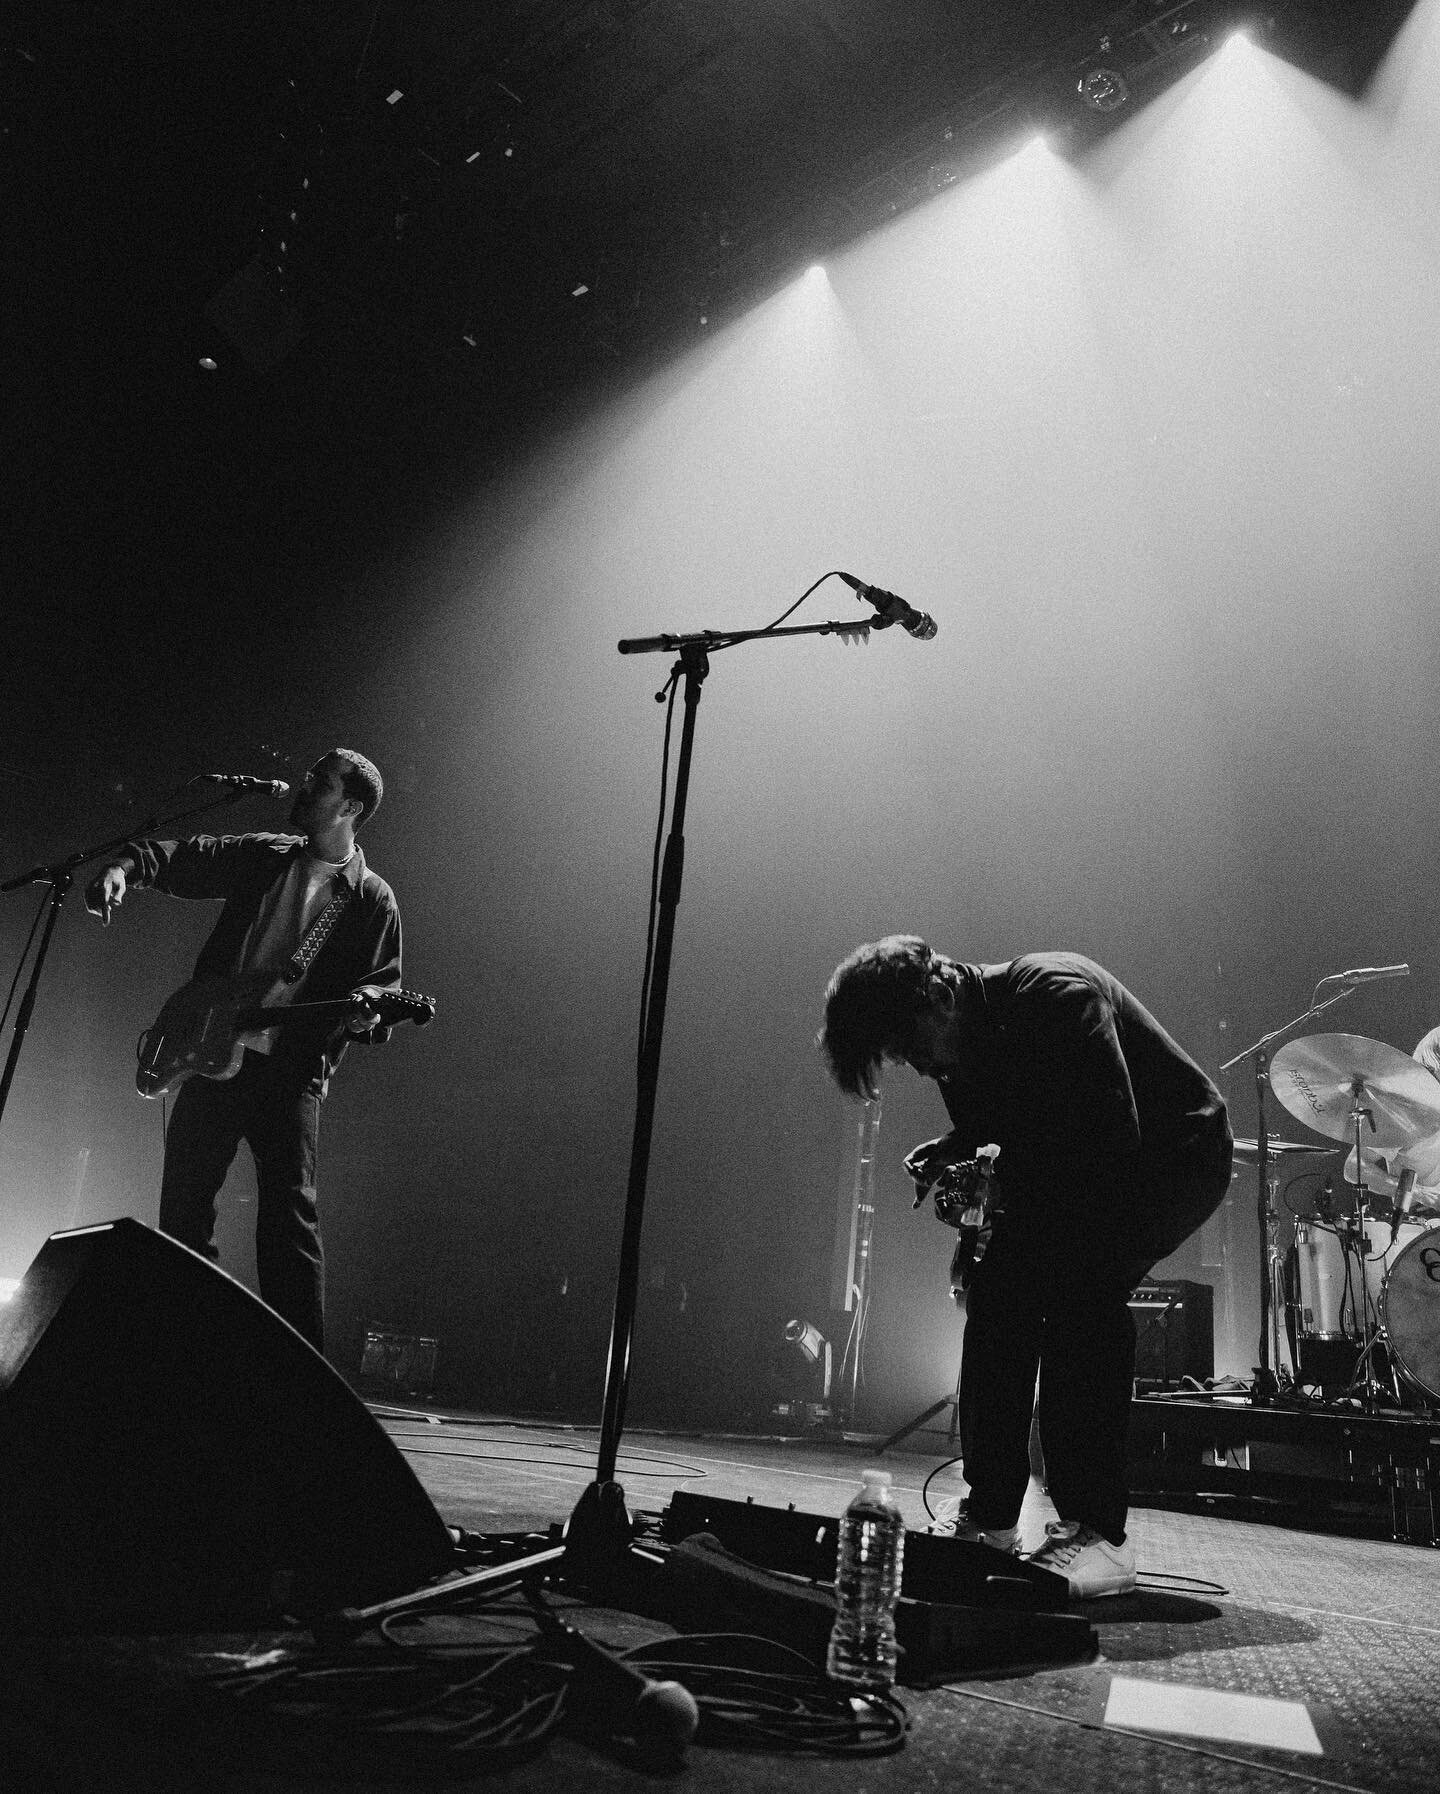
(872, 1002)
(361, 779)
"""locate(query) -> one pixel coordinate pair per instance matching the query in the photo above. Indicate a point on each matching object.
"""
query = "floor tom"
(1324, 1309)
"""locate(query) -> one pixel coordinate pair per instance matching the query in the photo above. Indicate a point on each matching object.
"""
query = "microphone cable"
(424, 1699)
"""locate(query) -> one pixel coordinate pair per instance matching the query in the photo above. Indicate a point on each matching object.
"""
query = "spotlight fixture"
(806, 1338)
(1103, 89)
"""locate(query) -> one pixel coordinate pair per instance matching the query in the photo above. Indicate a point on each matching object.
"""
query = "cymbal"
(1249, 1150)
(1318, 1079)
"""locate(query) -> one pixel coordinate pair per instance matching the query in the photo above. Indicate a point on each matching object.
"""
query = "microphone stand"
(60, 875)
(596, 1553)
(1264, 1386)
(597, 1538)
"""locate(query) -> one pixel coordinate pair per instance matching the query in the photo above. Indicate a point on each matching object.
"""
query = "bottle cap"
(876, 1476)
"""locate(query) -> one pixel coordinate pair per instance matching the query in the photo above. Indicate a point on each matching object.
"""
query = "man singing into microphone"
(308, 919)
(1114, 1147)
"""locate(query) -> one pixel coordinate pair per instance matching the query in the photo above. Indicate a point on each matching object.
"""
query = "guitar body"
(194, 1035)
(197, 1033)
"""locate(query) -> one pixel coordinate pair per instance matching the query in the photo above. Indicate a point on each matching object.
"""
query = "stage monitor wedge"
(174, 1456)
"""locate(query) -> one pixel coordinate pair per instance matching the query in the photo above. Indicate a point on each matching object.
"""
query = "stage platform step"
(1331, 1467)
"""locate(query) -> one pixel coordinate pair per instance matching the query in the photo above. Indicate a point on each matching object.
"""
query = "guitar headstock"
(404, 1006)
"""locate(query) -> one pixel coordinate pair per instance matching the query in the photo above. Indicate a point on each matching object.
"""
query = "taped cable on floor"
(1254, 1766)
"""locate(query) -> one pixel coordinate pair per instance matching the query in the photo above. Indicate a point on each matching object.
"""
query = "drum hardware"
(1248, 1151)
(1343, 1085)
(1264, 1383)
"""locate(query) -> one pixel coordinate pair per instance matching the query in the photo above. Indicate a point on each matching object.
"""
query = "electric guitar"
(964, 1199)
(195, 1034)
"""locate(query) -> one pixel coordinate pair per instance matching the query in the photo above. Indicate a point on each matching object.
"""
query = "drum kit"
(1361, 1289)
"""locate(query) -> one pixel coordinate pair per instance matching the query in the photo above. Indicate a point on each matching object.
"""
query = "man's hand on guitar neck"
(106, 891)
(364, 1013)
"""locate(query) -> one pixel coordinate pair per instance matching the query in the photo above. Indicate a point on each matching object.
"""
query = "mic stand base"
(598, 1535)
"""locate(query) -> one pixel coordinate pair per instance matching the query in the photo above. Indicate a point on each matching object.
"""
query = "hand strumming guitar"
(963, 1200)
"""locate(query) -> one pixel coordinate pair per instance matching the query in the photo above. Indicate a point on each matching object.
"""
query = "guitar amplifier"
(1174, 1332)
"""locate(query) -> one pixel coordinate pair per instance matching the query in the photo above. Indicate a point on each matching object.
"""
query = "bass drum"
(1410, 1311)
(1380, 1254)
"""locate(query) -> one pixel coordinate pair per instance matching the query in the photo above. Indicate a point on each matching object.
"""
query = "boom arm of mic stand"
(1264, 1384)
(59, 876)
(725, 638)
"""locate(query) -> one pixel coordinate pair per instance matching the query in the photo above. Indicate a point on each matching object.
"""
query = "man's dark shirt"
(363, 949)
(1085, 1093)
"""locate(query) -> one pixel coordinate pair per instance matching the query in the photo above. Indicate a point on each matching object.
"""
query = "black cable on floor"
(757, 1694)
(423, 1704)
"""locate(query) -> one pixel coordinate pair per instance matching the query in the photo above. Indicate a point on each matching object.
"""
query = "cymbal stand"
(1284, 1377)
(1366, 1381)
(1263, 1385)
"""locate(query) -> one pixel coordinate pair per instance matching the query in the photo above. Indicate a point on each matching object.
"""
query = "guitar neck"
(268, 1017)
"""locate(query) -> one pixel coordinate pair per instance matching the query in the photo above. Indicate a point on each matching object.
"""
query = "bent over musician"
(1114, 1147)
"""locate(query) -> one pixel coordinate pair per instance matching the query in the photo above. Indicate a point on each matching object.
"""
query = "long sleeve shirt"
(244, 871)
(1089, 1099)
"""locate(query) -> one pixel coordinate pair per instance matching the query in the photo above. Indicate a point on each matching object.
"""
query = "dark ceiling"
(372, 196)
(373, 217)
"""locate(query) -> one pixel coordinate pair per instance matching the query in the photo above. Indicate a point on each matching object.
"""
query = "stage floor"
(1252, 1656)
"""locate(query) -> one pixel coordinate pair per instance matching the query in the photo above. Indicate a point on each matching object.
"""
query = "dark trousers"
(267, 1105)
(1050, 1297)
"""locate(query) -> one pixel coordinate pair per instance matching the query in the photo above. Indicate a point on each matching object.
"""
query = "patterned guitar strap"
(319, 932)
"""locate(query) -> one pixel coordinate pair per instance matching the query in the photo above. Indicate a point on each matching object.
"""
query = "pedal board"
(704, 1587)
(937, 1568)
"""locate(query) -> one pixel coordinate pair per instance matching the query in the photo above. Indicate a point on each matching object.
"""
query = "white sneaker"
(1087, 1560)
(952, 1517)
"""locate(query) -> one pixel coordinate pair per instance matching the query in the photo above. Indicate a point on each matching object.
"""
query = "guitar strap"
(319, 932)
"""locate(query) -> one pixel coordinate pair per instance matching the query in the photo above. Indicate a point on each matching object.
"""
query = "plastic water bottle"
(867, 1586)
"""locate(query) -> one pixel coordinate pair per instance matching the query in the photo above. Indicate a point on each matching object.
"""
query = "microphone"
(893, 609)
(1365, 974)
(242, 781)
(1404, 1202)
(660, 1716)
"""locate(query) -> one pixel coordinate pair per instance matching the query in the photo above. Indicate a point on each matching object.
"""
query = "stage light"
(800, 1391)
(1103, 90)
(806, 1338)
